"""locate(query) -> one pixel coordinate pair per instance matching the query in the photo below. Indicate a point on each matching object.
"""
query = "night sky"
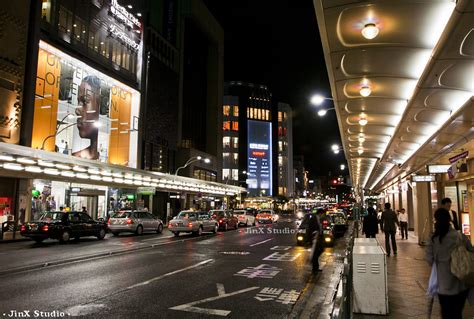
(277, 43)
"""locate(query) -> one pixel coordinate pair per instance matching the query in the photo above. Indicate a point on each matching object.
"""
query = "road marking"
(220, 289)
(282, 257)
(189, 307)
(280, 248)
(144, 283)
(259, 243)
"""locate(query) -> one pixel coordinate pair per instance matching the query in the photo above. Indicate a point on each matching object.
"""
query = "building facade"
(286, 175)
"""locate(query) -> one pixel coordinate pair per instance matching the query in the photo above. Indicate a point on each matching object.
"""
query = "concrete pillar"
(422, 211)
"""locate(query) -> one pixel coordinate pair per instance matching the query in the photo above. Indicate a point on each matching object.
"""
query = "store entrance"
(93, 200)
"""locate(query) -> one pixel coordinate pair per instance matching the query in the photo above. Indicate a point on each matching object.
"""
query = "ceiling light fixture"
(363, 122)
(370, 31)
(360, 151)
(365, 91)
(361, 139)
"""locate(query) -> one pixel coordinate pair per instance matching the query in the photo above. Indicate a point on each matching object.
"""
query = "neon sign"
(121, 14)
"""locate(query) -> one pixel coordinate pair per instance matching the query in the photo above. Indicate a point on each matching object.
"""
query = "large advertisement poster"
(82, 112)
(259, 165)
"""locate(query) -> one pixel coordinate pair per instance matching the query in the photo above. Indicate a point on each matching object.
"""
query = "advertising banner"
(259, 165)
(82, 112)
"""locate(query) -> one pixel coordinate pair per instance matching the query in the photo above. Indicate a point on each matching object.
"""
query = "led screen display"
(259, 164)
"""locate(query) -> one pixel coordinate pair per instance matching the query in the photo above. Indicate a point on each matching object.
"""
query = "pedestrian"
(370, 226)
(84, 209)
(452, 293)
(388, 224)
(403, 219)
(315, 232)
(446, 204)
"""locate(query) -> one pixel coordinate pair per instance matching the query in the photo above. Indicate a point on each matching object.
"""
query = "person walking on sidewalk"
(403, 219)
(370, 226)
(446, 204)
(388, 224)
(452, 293)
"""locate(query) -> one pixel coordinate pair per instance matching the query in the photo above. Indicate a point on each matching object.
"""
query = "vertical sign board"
(259, 163)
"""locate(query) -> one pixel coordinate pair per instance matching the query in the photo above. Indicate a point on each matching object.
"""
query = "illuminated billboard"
(82, 112)
(259, 164)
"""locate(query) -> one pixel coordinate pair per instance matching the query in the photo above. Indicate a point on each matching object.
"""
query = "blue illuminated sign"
(259, 164)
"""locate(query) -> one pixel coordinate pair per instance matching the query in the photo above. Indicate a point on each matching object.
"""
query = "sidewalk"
(408, 275)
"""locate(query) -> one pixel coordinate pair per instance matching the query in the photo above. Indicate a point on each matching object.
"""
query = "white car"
(245, 217)
(267, 216)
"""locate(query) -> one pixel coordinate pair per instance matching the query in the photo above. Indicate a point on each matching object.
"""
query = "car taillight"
(190, 225)
(23, 228)
(325, 223)
(220, 221)
(170, 225)
(45, 228)
(129, 221)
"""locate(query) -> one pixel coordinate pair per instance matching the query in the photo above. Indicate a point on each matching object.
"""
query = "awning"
(25, 162)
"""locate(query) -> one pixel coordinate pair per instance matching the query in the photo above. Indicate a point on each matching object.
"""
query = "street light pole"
(190, 161)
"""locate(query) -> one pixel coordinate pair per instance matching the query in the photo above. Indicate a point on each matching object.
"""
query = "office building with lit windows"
(251, 140)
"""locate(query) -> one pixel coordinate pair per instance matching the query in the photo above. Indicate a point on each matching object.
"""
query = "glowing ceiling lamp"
(361, 139)
(365, 91)
(360, 151)
(370, 31)
(363, 122)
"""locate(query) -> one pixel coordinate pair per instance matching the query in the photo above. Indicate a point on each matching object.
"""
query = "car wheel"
(101, 234)
(214, 230)
(39, 240)
(139, 230)
(176, 233)
(160, 229)
(65, 236)
(115, 233)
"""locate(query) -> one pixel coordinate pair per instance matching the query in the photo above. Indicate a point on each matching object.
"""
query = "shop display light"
(62, 166)
(93, 171)
(118, 175)
(33, 169)
(95, 177)
(106, 173)
(45, 163)
(119, 180)
(24, 160)
(7, 158)
(68, 174)
(13, 166)
(107, 179)
(82, 176)
(128, 181)
(79, 169)
(51, 171)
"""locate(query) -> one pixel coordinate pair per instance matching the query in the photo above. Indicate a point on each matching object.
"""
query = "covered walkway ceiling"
(397, 86)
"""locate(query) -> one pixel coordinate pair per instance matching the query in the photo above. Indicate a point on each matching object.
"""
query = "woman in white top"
(403, 219)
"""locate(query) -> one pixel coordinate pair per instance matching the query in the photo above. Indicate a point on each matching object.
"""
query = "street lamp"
(190, 161)
(319, 99)
(323, 112)
(343, 167)
(336, 148)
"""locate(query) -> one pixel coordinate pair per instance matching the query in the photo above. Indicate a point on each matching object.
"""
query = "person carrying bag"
(443, 253)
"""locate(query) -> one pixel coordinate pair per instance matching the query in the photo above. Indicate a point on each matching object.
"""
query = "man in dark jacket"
(371, 224)
(388, 224)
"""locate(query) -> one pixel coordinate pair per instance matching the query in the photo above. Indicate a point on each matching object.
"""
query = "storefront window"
(82, 112)
(46, 10)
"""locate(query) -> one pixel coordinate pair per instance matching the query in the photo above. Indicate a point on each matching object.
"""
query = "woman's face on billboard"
(87, 111)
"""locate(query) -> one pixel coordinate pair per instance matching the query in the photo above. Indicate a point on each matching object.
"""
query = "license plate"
(179, 224)
(34, 227)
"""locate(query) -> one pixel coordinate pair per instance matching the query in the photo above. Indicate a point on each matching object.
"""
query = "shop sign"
(438, 169)
(146, 190)
(458, 157)
(122, 15)
(123, 37)
(130, 196)
(423, 178)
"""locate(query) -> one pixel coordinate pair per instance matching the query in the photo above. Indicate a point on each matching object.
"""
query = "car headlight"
(300, 238)
(327, 239)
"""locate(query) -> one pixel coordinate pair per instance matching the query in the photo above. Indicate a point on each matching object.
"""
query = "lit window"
(236, 110)
(235, 142)
(226, 141)
(280, 117)
(226, 126)
(235, 174)
(226, 110)
(251, 113)
(225, 173)
(268, 115)
(236, 158)
(280, 146)
(235, 126)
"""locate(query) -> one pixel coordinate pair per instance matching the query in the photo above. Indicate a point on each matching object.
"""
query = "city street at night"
(248, 272)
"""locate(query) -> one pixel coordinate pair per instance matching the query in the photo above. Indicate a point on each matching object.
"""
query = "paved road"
(248, 273)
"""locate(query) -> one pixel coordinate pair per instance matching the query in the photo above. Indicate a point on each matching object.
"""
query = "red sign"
(258, 153)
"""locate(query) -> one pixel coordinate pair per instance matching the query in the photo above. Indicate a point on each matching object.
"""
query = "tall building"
(301, 175)
(285, 151)
(257, 140)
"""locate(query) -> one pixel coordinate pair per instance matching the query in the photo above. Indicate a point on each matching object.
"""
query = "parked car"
(63, 226)
(267, 216)
(130, 221)
(195, 222)
(225, 219)
(245, 217)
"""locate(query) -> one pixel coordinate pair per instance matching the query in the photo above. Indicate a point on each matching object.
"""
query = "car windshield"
(121, 215)
(49, 216)
(239, 212)
(186, 215)
(265, 212)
